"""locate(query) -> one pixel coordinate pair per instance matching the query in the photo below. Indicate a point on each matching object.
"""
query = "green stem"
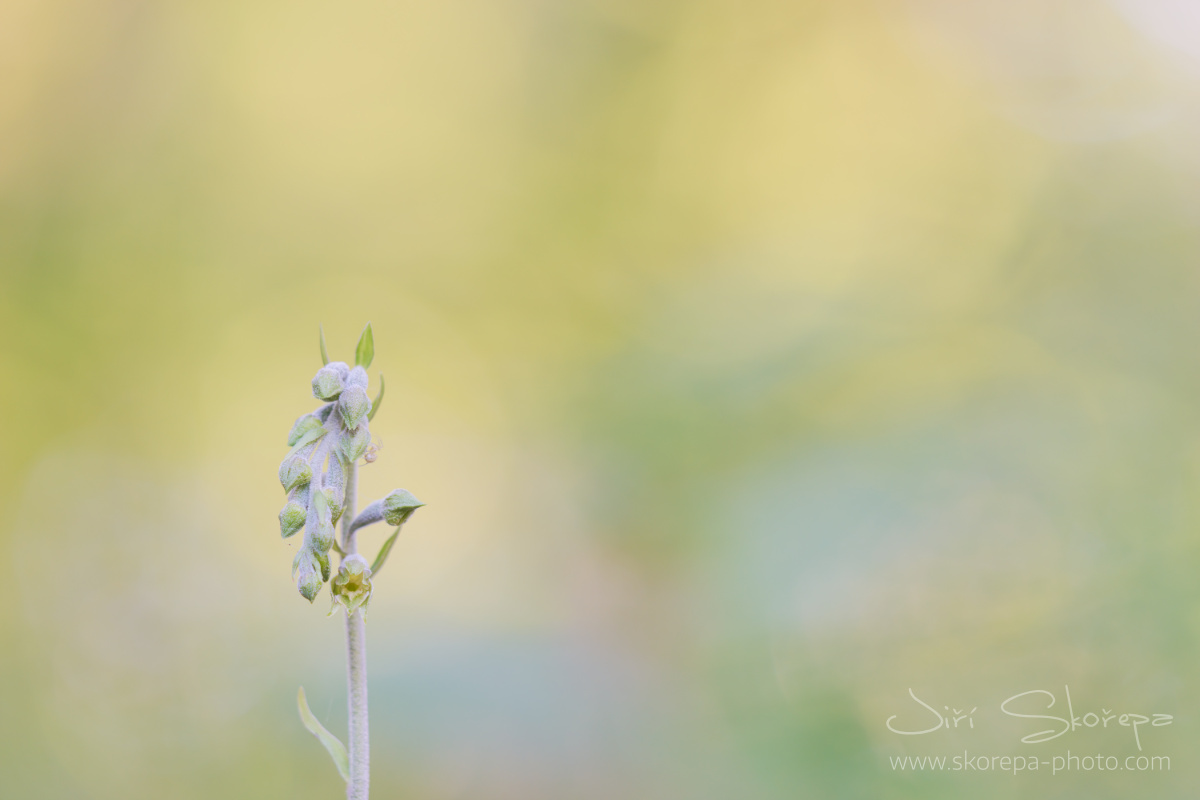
(359, 784)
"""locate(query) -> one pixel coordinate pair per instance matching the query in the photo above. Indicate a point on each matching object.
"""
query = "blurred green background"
(757, 361)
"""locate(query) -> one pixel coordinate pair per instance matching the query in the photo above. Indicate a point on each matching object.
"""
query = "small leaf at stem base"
(337, 750)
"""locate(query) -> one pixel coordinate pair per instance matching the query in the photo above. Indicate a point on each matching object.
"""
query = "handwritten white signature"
(954, 717)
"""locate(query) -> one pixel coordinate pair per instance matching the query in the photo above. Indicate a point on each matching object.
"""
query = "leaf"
(384, 552)
(306, 439)
(378, 400)
(337, 750)
(365, 352)
(324, 355)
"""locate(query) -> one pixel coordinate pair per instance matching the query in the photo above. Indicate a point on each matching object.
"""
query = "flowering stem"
(358, 787)
(338, 433)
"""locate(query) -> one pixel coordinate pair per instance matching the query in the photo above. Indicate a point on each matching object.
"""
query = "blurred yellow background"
(757, 361)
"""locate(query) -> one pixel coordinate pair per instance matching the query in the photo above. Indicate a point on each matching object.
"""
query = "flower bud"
(301, 557)
(293, 472)
(335, 505)
(327, 384)
(320, 523)
(353, 405)
(358, 377)
(398, 506)
(335, 484)
(306, 423)
(291, 518)
(306, 572)
(351, 587)
(355, 445)
(341, 368)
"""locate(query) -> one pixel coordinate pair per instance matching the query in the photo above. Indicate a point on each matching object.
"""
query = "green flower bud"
(291, 518)
(351, 587)
(398, 506)
(327, 384)
(335, 484)
(293, 472)
(306, 572)
(302, 555)
(322, 537)
(341, 368)
(353, 405)
(357, 377)
(355, 445)
(320, 523)
(323, 561)
(335, 506)
(300, 495)
(306, 423)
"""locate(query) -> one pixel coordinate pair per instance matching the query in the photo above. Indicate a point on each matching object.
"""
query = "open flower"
(352, 585)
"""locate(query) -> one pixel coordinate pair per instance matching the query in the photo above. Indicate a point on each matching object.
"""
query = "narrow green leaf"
(324, 355)
(337, 750)
(307, 439)
(378, 400)
(384, 552)
(365, 352)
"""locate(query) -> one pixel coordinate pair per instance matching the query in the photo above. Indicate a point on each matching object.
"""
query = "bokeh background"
(757, 361)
